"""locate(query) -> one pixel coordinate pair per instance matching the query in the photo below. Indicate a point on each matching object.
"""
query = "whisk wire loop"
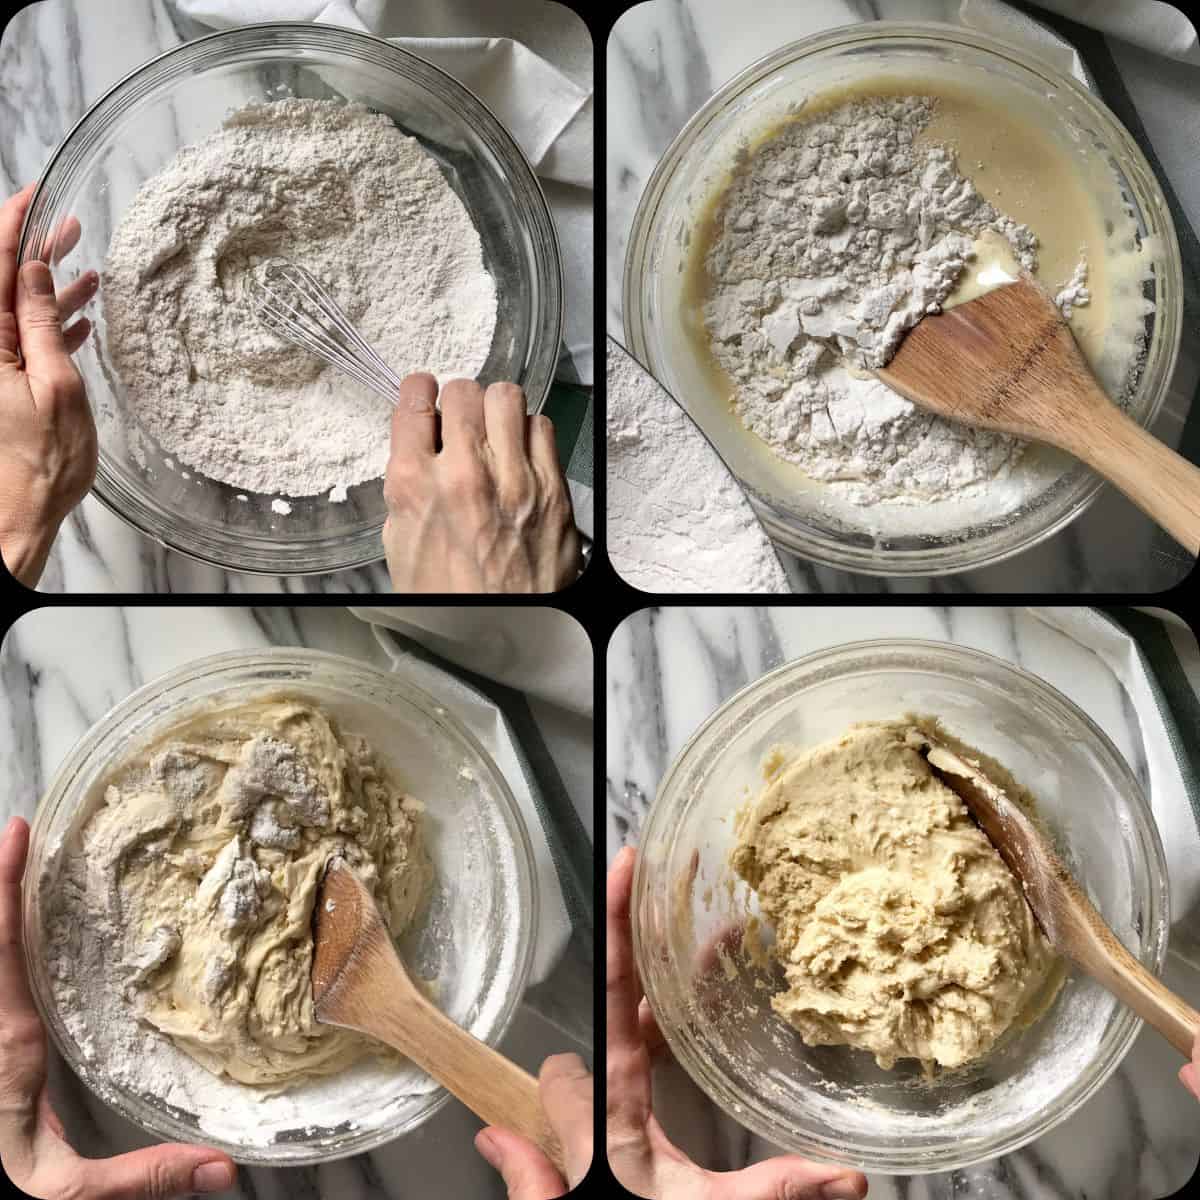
(295, 306)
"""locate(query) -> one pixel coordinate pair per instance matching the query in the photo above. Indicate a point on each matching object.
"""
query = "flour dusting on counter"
(677, 521)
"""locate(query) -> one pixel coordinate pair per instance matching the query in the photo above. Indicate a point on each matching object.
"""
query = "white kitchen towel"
(534, 101)
(1004, 21)
(1141, 652)
(548, 115)
(1159, 28)
(1155, 26)
(366, 15)
(541, 651)
(416, 643)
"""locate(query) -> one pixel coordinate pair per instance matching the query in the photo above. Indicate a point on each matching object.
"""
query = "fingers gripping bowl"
(713, 1003)
(474, 937)
(180, 98)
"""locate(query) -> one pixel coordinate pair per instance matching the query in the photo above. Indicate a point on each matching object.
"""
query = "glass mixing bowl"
(831, 1102)
(804, 516)
(131, 133)
(475, 936)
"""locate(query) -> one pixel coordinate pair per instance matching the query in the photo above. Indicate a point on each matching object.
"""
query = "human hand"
(1189, 1074)
(33, 1146)
(47, 435)
(487, 512)
(639, 1152)
(565, 1089)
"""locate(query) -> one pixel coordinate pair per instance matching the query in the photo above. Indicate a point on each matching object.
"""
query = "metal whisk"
(291, 303)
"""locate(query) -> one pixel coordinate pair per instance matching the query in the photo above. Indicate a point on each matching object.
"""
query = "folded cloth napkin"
(540, 651)
(430, 645)
(366, 15)
(1159, 28)
(1005, 21)
(1151, 660)
(535, 102)
(1155, 26)
(548, 115)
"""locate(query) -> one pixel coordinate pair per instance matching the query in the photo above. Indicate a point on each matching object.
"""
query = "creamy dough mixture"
(898, 926)
(202, 867)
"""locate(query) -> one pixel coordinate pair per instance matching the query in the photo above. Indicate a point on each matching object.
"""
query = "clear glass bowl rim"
(918, 655)
(954, 557)
(217, 667)
(324, 554)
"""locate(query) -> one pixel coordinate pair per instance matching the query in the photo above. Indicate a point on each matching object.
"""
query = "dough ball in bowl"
(711, 985)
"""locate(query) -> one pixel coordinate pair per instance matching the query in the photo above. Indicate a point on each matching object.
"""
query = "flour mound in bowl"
(834, 237)
(339, 190)
(186, 903)
(899, 928)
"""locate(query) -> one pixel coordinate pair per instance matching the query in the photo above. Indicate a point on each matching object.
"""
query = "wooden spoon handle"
(493, 1087)
(1117, 970)
(1160, 482)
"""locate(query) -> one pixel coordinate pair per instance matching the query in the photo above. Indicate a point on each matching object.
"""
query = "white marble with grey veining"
(668, 669)
(56, 58)
(664, 59)
(62, 668)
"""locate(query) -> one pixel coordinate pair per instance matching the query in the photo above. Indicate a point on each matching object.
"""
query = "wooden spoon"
(1007, 361)
(359, 982)
(1071, 923)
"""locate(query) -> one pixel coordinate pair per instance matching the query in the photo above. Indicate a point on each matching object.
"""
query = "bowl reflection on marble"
(832, 1102)
(804, 516)
(474, 936)
(182, 96)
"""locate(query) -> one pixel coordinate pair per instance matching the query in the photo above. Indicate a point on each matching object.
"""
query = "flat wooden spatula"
(1007, 361)
(359, 982)
(1071, 923)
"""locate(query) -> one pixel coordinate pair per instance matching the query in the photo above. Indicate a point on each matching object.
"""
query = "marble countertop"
(56, 58)
(1138, 1138)
(62, 668)
(664, 61)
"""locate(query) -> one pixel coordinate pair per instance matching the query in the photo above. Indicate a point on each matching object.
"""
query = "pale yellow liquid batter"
(1023, 174)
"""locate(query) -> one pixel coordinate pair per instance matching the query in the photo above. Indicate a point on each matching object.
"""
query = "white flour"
(341, 191)
(90, 974)
(677, 521)
(123, 1052)
(834, 238)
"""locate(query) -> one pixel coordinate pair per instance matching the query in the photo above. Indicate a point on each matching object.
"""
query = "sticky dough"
(205, 859)
(898, 926)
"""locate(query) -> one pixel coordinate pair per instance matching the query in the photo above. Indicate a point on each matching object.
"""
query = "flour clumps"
(341, 191)
(179, 915)
(836, 236)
